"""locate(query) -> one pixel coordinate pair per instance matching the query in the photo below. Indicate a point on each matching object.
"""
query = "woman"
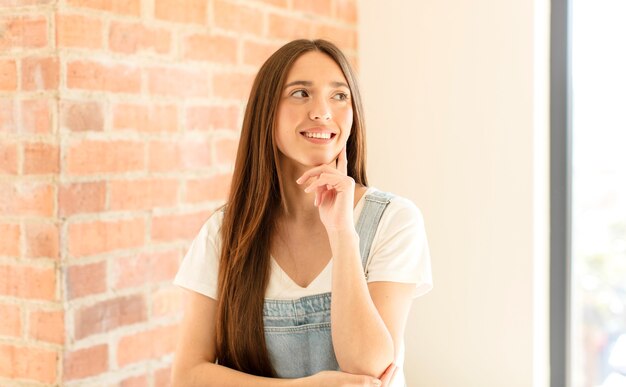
(301, 224)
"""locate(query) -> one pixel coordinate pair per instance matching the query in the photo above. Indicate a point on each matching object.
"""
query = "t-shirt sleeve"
(399, 251)
(199, 268)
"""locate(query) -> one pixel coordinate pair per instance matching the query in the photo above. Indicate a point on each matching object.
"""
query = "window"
(588, 193)
(598, 289)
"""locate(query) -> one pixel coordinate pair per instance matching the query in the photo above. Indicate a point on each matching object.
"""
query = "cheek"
(345, 121)
(288, 116)
(284, 123)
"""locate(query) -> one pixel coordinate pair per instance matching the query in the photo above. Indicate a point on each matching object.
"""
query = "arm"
(368, 321)
(194, 360)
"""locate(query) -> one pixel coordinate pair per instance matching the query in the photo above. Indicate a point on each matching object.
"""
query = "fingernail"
(298, 181)
(377, 383)
(315, 202)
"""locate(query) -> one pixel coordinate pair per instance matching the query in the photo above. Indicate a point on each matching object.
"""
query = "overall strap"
(373, 208)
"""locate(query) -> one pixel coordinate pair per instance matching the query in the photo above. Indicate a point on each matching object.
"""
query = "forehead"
(317, 67)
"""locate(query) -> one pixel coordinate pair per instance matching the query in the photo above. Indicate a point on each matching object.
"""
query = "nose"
(320, 111)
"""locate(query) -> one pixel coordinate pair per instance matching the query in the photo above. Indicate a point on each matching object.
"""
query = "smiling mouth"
(321, 136)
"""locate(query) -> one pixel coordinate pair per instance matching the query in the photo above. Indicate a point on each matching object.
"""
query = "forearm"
(210, 374)
(362, 343)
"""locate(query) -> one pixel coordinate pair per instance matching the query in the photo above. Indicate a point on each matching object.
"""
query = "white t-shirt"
(399, 253)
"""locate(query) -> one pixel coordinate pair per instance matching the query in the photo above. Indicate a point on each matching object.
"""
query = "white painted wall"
(456, 97)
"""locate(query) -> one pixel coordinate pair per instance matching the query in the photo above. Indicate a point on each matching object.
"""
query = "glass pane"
(598, 291)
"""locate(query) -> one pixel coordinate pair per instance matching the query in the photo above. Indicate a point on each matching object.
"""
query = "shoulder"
(212, 226)
(399, 210)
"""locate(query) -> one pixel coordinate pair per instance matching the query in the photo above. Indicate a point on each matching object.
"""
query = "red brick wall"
(119, 122)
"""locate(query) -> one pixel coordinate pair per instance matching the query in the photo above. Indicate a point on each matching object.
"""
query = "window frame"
(560, 192)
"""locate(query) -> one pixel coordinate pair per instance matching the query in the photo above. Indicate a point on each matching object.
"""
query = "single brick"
(85, 362)
(93, 157)
(11, 321)
(226, 150)
(8, 158)
(29, 363)
(8, 75)
(85, 280)
(81, 198)
(130, 38)
(178, 82)
(237, 18)
(27, 198)
(42, 240)
(28, 282)
(214, 188)
(176, 227)
(40, 158)
(317, 7)
(108, 315)
(122, 7)
(23, 33)
(145, 118)
(47, 326)
(40, 73)
(212, 117)
(232, 85)
(10, 239)
(142, 194)
(146, 268)
(182, 11)
(288, 28)
(81, 116)
(90, 75)
(151, 344)
(36, 116)
(212, 48)
(79, 31)
(88, 238)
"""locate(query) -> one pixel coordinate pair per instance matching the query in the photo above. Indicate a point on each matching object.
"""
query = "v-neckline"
(294, 283)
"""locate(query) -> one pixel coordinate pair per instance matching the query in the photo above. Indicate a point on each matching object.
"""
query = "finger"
(307, 181)
(328, 181)
(316, 171)
(389, 380)
(319, 196)
(342, 161)
(322, 198)
(388, 372)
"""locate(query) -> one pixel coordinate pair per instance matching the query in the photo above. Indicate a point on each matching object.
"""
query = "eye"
(301, 93)
(341, 96)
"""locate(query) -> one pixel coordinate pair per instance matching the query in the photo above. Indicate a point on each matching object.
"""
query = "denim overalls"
(297, 332)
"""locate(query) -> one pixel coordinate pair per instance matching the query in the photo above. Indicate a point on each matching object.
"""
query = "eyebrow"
(309, 84)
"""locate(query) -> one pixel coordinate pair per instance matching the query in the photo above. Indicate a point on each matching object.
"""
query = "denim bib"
(297, 332)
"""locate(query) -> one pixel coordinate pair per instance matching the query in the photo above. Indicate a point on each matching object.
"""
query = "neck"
(299, 204)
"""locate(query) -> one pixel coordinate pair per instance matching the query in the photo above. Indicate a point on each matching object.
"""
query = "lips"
(318, 135)
(321, 132)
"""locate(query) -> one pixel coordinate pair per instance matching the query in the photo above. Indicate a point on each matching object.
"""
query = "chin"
(316, 161)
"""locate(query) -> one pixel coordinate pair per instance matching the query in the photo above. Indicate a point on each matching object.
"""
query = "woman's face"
(315, 111)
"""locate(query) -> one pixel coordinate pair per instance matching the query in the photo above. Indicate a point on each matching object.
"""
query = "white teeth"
(325, 136)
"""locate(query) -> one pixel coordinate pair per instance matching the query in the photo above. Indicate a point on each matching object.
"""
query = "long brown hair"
(254, 201)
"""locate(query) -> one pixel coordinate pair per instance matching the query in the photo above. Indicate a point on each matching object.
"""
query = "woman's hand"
(334, 193)
(343, 379)
(387, 377)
